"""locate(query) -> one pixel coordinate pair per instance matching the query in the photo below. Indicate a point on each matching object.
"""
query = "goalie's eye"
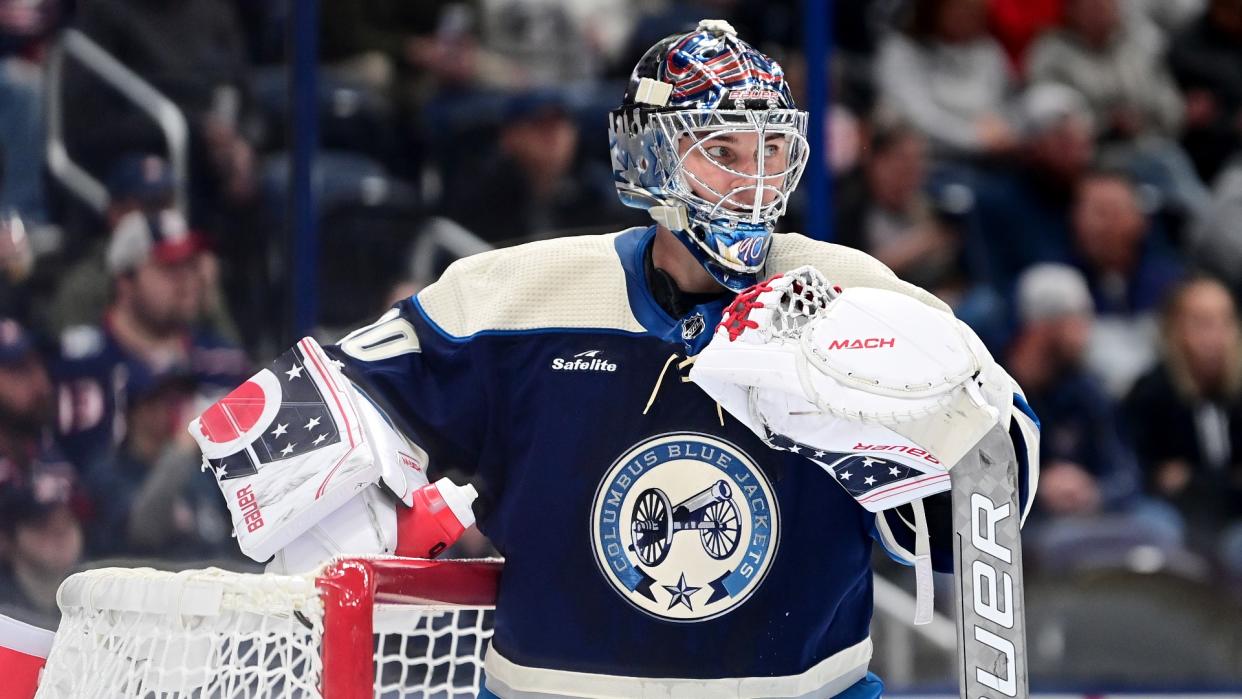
(725, 154)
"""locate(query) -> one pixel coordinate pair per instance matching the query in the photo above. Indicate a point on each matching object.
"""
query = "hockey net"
(361, 627)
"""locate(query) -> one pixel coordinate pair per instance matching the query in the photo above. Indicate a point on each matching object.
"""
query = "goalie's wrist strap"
(925, 589)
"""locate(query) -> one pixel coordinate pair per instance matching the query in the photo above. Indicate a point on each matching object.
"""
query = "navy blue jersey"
(96, 378)
(646, 534)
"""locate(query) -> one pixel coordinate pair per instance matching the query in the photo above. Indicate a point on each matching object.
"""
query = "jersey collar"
(694, 329)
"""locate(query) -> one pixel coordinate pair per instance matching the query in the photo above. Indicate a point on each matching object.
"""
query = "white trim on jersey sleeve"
(567, 283)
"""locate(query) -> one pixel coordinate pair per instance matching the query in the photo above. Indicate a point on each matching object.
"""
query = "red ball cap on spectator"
(162, 236)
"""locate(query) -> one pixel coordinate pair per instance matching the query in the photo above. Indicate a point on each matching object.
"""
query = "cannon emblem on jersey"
(711, 512)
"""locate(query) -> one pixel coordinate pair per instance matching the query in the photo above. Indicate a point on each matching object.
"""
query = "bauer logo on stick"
(998, 605)
(684, 526)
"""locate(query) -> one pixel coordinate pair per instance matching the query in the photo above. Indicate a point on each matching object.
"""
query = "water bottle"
(440, 514)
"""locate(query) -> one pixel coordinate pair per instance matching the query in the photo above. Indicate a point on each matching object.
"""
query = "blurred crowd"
(1066, 174)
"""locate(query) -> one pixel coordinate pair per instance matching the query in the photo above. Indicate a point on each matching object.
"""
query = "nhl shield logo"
(692, 327)
(685, 526)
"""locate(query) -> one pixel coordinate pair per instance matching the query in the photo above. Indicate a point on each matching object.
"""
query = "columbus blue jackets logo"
(684, 526)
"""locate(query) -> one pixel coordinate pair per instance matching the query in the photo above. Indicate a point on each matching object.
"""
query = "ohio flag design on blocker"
(300, 423)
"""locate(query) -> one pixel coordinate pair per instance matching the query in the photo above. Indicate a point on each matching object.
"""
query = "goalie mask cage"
(355, 628)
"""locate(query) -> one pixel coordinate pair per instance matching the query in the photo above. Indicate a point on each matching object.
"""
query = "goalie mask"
(709, 142)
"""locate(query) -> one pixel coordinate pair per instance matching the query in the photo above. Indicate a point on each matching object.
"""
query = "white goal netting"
(430, 653)
(214, 634)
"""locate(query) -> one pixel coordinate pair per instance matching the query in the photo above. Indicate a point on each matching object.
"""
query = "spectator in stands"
(485, 43)
(1127, 271)
(28, 446)
(1118, 67)
(1088, 481)
(556, 41)
(150, 327)
(394, 56)
(534, 183)
(1126, 274)
(136, 182)
(1016, 24)
(1215, 240)
(1115, 65)
(1207, 60)
(1086, 465)
(194, 53)
(139, 182)
(40, 544)
(1023, 213)
(372, 43)
(21, 135)
(883, 209)
(151, 498)
(17, 263)
(947, 76)
(1170, 17)
(1186, 413)
(25, 27)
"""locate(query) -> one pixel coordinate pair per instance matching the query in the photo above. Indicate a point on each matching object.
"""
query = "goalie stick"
(987, 564)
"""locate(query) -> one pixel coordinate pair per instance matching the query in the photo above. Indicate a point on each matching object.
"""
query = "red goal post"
(357, 627)
(352, 588)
